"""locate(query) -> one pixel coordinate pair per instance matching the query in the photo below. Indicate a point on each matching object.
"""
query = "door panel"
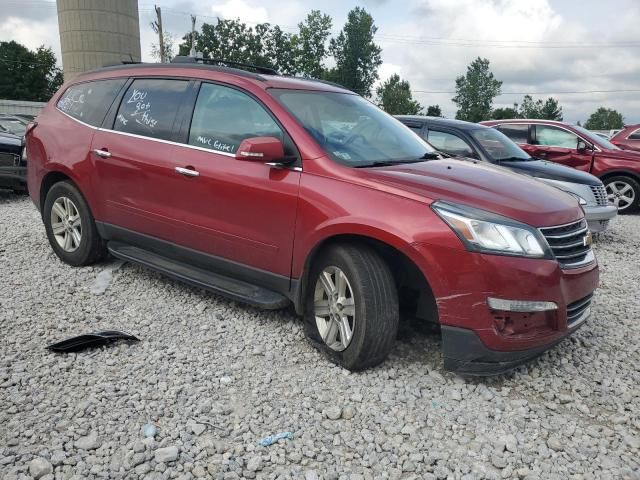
(560, 146)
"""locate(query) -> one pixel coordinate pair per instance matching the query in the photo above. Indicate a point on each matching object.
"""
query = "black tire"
(91, 247)
(376, 306)
(635, 187)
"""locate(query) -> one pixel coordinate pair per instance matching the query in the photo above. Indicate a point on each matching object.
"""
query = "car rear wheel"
(70, 226)
(624, 192)
(351, 306)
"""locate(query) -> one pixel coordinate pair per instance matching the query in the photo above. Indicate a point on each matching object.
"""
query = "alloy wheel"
(334, 308)
(620, 194)
(66, 224)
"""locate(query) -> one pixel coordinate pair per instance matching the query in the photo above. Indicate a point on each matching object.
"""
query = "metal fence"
(20, 106)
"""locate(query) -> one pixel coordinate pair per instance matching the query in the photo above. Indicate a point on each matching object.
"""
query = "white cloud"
(232, 9)
(30, 33)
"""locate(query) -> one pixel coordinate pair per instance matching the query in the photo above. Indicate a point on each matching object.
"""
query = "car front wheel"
(351, 307)
(624, 193)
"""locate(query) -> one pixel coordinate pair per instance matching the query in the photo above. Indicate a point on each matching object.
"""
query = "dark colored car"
(628, 138)
(275, 190)
(13, 168)
(579, 148)
(13, 124)
(472, 140)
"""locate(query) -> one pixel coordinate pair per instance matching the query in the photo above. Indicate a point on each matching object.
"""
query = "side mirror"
(583, 146)
(261, 149)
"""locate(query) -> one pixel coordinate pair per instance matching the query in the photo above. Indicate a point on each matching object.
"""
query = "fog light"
(519, 305)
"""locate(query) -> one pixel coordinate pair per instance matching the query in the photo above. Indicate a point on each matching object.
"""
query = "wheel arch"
(620, 173)
(414, 290)
(51, 178)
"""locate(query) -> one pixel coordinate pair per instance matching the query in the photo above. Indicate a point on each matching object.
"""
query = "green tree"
(505, 113)
(551, 110)
(434, 111)
(475, 92)
(356, 55)
(28, 75)
(394, 97)
(312, 44)
(604, 119)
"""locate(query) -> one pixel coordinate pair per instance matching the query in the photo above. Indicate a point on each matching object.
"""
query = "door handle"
(102, 153)
(189, 172)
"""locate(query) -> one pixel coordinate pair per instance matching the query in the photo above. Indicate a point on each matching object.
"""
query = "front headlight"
(579, 191)
(486, 232)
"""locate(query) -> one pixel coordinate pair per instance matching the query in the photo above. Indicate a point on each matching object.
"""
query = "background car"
(472, 140)
(628, 138)
(13, 124)
(579, 148)
(13, 167)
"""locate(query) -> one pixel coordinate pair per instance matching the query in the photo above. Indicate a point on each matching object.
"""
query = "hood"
(484, 186)
(621, 154)
(551, 171)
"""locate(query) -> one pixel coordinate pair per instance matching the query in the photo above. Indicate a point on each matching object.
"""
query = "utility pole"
(157, 26)
(192, 53)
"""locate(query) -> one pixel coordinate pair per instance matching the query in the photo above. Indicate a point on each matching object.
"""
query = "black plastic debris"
(90, 340)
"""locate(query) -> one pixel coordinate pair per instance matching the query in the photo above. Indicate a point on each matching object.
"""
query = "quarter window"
(519, 133)
(550, 136)
(635, 135)
(149, 107)
(449, 143)
(224, 117)
(89, 102)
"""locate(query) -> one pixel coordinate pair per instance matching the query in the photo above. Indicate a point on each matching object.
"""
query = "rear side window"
(635, 135)
(224, 117)
(449, 143)
(149, 107)
(518, 133)
(89, 102)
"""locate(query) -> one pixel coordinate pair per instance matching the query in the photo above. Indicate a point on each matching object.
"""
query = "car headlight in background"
(486, 232)
(579, 191)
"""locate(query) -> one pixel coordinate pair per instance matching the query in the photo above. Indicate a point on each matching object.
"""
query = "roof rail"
(319, 80)
(121, 62)
(229, 63)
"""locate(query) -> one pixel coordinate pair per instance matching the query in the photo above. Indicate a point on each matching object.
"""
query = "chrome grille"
(568, 243)
(600, 194)
(579, 311)
(9, 159)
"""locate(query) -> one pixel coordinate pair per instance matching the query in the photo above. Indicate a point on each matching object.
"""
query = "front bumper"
(598, 217)
(496, 341)
(465, 354)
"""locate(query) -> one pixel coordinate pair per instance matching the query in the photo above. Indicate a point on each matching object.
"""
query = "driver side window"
(224, 117)
(550, 136)
(449, 143)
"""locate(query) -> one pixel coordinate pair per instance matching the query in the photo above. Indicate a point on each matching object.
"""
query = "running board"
(228, 287)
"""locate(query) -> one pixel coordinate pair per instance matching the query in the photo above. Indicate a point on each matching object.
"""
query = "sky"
(541, 47)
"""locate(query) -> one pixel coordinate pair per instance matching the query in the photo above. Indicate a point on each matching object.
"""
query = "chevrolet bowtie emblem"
(587, 240)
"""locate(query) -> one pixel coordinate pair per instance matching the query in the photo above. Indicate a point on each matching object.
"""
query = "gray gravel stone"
(39, 467)
(571, 414)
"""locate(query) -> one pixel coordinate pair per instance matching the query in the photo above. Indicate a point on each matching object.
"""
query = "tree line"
(350, 58)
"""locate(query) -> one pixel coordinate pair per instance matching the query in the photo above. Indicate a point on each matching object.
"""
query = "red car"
(628, 138)
(274, 190)
(577, 147)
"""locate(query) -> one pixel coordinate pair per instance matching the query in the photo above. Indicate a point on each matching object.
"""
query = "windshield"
(352, 130)
(498, 146)
(13, 126)
(595, 138)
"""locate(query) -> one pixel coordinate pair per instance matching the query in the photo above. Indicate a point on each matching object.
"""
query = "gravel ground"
(214, 377)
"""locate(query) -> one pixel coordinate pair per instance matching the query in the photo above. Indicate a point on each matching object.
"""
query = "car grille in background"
(567, 243)
(9, 160)
(578, 311)
(600, 192)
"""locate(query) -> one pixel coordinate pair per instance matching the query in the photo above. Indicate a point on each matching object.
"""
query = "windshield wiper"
(387, 163)
(515, 159)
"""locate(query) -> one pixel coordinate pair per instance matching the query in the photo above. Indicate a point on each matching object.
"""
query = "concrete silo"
(96, 32)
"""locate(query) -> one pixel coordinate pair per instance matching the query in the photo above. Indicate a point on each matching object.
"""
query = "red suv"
(628, 138)
(274, 190)
(577, 147)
